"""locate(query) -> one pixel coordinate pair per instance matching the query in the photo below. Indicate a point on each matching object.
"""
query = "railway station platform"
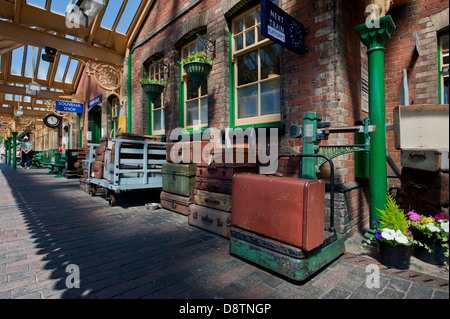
(51, 232)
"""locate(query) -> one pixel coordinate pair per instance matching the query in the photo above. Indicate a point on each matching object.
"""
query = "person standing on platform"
(27, 152)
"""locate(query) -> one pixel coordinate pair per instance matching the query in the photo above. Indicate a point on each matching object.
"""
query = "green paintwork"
(297, 269)
(179, 178)
(374, 39)
(14, 148)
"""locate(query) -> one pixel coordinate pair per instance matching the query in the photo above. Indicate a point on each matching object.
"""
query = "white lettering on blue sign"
(65, 106)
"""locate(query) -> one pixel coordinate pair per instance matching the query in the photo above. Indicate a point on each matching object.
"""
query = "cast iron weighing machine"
(279, 222)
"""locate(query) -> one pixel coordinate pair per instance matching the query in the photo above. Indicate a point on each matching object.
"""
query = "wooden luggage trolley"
(125, 164)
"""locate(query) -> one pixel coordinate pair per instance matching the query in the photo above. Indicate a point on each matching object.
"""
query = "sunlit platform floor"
(50, 227)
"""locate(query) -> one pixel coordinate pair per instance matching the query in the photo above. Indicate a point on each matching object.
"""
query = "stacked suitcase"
(421, 133)
(178, 179)
(211, 210)
(425, 181)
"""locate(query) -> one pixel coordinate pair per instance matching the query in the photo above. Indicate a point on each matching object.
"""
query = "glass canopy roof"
(22, 63)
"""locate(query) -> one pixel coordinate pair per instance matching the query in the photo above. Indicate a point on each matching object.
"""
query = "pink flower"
(414, 216)
(439, 216)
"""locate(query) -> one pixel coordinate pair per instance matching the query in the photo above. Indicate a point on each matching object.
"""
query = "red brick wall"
(426, 19)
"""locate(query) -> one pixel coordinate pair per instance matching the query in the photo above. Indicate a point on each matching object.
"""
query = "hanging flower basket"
(153, 88)
(197, 71)
(197, 66)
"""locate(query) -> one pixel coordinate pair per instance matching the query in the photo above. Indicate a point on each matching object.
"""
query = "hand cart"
(135, 164)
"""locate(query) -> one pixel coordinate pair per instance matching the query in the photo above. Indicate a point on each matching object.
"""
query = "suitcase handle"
(419, 155)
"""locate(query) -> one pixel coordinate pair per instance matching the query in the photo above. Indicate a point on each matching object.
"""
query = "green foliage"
(199, 57)
(152, 81)
(392, 216)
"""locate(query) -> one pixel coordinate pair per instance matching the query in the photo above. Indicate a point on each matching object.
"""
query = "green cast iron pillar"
(14, 147)
(8, 154)
(374, 36)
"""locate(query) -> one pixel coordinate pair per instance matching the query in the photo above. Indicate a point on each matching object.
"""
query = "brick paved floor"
(48, 224)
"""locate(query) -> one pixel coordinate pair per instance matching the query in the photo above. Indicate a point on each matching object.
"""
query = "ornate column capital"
(375, 34)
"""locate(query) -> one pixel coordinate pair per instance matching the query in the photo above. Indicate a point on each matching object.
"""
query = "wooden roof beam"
(72, 48)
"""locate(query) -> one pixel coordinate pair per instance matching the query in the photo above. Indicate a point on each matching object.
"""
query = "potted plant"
(394, 241)
(432, 231)
(197, 66)
(153, 88)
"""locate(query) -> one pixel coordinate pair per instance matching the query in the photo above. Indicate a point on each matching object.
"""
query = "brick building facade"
(327, 79)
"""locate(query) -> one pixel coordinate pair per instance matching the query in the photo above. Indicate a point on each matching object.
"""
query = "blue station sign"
(65, 106)
(96, 100)
(282, 28)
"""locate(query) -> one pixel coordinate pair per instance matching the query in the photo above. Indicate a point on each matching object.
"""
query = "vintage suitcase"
(97, 170)
(213, 200)
(176, 203)
(210, 219)
(215, 185)
(428, 160)
(185, 152)
(223, 171)
(178, 179)
(426, 186)
(289, 210)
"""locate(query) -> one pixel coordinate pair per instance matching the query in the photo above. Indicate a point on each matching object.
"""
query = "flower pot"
(153, 90)
(394, 256)
(436, 256)
(197, 71)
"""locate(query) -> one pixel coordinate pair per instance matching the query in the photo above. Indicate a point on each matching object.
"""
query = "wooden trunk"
(178, 178)
(176, 203)
(213, 200)
(210, 219)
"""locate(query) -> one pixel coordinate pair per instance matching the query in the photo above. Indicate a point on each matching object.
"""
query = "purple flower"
(408, 232)
(439, 216)
(414, 216)
(378, 234)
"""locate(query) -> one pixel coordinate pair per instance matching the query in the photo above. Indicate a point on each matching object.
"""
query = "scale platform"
(284, 259)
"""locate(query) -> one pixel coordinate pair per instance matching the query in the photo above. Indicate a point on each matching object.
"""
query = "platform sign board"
(96, 100)
(280, 27)
(72, 107)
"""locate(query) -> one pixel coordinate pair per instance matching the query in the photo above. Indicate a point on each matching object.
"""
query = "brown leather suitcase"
(289, 210)
(213, 200)
(210, 219)
(426, 186)
(176, 203)
(223, 171)
(97, 170)
(213, 185)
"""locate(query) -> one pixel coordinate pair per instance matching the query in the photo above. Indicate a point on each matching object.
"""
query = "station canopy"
(27, 27)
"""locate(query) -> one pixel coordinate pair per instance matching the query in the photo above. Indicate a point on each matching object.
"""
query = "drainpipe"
(374, 35)
(130, 122)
